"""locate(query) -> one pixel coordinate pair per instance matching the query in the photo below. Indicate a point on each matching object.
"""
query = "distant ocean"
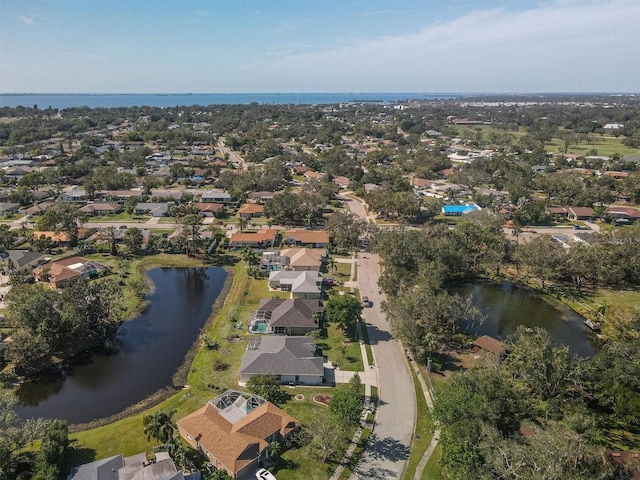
(61, 101)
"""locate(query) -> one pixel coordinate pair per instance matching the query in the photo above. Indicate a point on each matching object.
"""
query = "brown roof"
(490, 344)
(100, 207)
(251, 208)
(420, 182)
(209, 207)
(581, 211)
(616, 174)
(50, 235)
(308, 236)
(232, 444)
(631, 212)
(254, 237)
(557, 210)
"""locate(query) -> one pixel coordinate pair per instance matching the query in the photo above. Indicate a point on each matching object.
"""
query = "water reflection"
(506, 308)
(143, 357)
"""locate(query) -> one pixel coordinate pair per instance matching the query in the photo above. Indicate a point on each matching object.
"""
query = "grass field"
(423, 433)
(603, 144)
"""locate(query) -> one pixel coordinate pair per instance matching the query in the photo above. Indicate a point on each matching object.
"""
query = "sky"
(290, 46)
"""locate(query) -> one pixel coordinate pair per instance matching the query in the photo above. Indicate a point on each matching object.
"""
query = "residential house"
(136, 467)
(298, 259)
(38, 209)
(342, 182)
(623, 214)
(216, 196)
(261, 197)
(54, 237)
(580, 213)
(9, 208)
(260, 239)
(23, 260)
(153, 209)
(95, 209)
(293, 360)
(420, 183)
(210, 209)
(171, 195)
(307, 284)
(250, 210)
(571, 213)
(286, 317)
(234, 430)
(118, 194)
(314, 238)
(61, 272)
(74, 195)
(311, 175)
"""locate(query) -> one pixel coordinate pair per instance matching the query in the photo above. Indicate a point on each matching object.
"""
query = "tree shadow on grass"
(76, 456)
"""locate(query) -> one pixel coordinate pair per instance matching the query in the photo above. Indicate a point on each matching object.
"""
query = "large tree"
(343, 310)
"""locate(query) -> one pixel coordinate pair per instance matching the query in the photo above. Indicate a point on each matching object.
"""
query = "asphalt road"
(388, 449)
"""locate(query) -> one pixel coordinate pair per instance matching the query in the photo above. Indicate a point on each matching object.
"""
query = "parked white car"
(263, 474)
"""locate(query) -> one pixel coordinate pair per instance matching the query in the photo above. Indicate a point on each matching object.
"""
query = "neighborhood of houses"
(233, 430)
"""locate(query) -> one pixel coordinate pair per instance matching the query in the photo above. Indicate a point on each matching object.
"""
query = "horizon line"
(330, 93)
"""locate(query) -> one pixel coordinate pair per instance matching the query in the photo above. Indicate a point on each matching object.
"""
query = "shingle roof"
(291, 313)
(277, 355)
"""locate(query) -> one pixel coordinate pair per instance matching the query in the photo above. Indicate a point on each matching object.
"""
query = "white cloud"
(26, 20)
(565, 45)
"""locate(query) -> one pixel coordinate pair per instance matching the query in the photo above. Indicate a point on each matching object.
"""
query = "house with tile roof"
(233, 431)
(623, 214)
(61, 272)
(250, 210)
(293, 360)
(286, 317)
(314, 238)
(210, 209)
(95, 209)
(260, 239)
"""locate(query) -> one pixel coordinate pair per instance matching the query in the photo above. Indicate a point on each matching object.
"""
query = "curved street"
(388, 449)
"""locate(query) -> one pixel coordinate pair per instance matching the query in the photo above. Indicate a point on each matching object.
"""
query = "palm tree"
(243, 223)
(159, 425)
(332, 265)
(274, 449)
(248, 256)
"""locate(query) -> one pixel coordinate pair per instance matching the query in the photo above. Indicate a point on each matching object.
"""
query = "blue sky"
(230, 46)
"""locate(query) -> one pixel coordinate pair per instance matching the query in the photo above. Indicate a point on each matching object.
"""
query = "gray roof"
(20, 258)
(277, 355)
(105, 469)
(215, 194)
(291, 313)
(308, 281)
(4, 206)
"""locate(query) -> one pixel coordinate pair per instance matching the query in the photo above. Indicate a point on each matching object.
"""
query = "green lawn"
(432, 470)
(346, 355)
(604, 145)
(119, 217)
(424, 430)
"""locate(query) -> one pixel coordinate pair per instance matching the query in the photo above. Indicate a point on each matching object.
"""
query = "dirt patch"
(322, 399)
(225, 351)
(299, 397)
(457, 360)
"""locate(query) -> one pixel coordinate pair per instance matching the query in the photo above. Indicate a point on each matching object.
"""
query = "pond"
(148, 351)
(506, 307)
